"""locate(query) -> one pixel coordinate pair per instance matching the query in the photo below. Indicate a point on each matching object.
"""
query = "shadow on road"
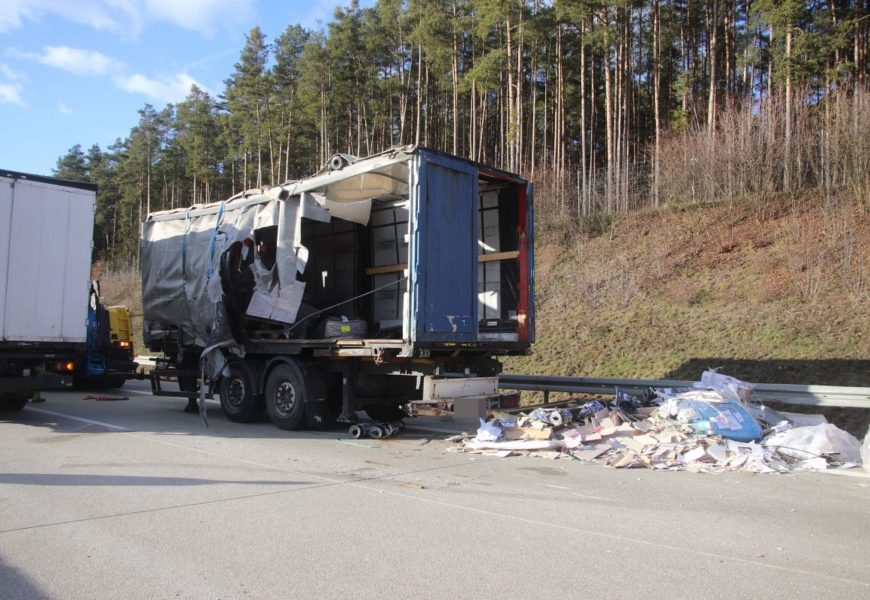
(59, 479)
(15, 584)
(62, 413)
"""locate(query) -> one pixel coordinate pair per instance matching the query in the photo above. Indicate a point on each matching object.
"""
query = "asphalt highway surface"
(136, 499)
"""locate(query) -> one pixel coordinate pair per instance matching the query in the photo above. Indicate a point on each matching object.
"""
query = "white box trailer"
(46, 231)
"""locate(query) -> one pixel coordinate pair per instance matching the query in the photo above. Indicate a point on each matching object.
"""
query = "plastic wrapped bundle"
(342, 327)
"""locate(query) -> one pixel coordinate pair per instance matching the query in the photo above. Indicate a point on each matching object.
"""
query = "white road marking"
(80, 419)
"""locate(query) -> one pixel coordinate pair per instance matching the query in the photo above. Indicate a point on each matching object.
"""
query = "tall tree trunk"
(148, 179)
(714, 51)
(454, 73)
(559, 115)
(518, 111)
(593, 116)
(259, 150)
(608, 115)
(533, 100)
(788, 109)
(511, 99)
(657, 85)
(584, 133)
(419, 93)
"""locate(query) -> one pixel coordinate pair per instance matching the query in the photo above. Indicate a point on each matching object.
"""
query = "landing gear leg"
(348, 393)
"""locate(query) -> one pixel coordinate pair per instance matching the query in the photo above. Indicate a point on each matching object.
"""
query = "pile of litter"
(711, 428)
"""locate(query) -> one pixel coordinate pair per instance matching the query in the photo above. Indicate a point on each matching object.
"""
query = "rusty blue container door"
(444, 276)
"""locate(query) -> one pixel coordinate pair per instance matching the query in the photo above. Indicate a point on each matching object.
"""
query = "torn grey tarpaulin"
(182, 275)
(183, 290)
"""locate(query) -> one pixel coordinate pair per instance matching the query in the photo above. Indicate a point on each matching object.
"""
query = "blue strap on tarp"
(211, 244)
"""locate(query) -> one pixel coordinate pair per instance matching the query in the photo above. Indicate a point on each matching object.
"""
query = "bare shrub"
(843, 238)
(807, 258)
(750, 156)
(122, 287)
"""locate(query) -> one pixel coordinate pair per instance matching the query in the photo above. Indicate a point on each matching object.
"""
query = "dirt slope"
(779, 293)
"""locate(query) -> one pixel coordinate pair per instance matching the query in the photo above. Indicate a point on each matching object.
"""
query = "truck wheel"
(285, 396)
(238, 394)
(13, 402)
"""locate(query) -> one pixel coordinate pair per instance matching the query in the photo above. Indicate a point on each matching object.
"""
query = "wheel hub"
(285, 398)
(236, 391)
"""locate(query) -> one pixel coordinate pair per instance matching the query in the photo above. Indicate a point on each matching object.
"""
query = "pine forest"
(606, 106)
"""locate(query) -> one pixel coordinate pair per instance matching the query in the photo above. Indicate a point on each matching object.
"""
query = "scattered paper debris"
(710, 429)
(806, 443)
(865, 451)
(488, 432)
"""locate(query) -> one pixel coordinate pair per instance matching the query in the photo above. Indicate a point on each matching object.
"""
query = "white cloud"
(128, 17)
(73, 60)
(10, 93)
(97, 14)
(64, 109)
(78, 61)
(11, 86)
(319, 13)
(200, 15)
(173, 89)
(89, 62)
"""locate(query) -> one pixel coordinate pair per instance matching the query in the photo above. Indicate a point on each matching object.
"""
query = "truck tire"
(285, 396)
(13, 402)
(238, 392)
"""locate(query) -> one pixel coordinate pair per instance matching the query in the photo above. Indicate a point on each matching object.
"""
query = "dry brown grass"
(665, 287)
(750, 157)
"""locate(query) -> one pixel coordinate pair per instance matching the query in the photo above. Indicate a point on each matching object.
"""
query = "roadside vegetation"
(780, 295)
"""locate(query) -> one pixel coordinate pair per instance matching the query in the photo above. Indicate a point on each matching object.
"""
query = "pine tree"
(72, 166)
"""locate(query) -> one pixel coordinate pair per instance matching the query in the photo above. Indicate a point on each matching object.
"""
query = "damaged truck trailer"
(368, 286)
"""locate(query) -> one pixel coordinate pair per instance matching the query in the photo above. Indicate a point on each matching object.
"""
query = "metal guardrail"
(810, 395)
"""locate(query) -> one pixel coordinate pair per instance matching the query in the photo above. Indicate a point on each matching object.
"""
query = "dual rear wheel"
(238, 392)
(289, 388)
(288, 385)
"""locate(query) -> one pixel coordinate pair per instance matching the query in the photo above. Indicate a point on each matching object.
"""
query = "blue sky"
(76, 71)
